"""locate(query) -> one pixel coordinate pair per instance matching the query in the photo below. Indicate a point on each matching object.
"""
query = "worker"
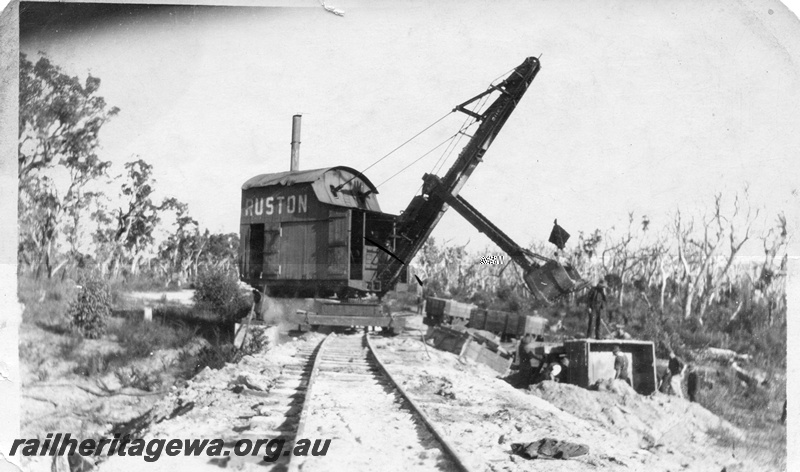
(620, 333)
(676, 367)
(692, 383)
(597, 304)
(664, 383)
(527, 360)
(563, 363)
(554, 371)
(621, 365)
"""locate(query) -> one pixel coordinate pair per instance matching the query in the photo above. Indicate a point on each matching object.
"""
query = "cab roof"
(356, 190)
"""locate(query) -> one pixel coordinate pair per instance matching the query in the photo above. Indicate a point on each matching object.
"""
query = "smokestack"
(295, 163)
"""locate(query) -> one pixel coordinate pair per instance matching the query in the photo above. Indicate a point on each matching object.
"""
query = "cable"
(464, 127)
(339, 187)
(416, 160)
(439, 164)
(478, 109)
(447, 155)
(454, 143)
(503, 75)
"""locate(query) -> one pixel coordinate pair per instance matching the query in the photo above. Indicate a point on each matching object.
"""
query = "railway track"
(373, 425)
(280, 411)
(336, 390)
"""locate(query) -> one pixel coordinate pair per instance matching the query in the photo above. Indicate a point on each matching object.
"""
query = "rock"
(262, 422)
(203, 374)
(724, 355)
(549, 448)
(271, 372)
(619, 387)
(501, 439)
(252, 381)
(755, 377)
(647, 442)
(188, 395)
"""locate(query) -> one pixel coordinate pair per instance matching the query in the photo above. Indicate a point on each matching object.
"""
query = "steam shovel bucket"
(552, 280)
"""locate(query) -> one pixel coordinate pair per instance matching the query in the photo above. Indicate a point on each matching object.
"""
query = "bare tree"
(773, 269)
(704, 256)
(619, 258)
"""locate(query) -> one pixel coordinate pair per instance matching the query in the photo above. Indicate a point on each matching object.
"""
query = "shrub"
(219, 290)
(141, 338)
(139, 378)
(45, 300)
(216, 354)
(96, 363)
(68, 347)
(89, 312)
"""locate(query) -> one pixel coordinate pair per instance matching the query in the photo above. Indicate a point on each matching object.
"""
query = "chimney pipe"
(295, 162)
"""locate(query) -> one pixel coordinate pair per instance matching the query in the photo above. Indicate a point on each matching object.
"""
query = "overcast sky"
(639, 106)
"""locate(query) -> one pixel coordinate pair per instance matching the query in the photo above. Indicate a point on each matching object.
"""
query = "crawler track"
(373, 425)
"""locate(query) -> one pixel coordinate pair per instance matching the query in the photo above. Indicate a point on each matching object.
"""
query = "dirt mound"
(618, 387)
(649, 421)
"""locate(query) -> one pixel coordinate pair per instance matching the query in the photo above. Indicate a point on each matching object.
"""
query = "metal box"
(496, 321)
(592, 360)
(529, 324)
(435, 306)
(458, 310)
(483, 354)
(513, 324)
(447, 339)
(477, 318)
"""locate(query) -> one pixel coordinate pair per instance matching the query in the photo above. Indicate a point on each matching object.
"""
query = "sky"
(640, 106)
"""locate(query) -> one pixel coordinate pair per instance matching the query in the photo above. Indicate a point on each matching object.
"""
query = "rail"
(304, 412)
(330, 354)
(458, 459)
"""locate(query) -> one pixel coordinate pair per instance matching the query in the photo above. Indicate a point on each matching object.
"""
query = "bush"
(45, 300)
(139, 378)
(97, 363)
(219, 290)
(217, 354)
(142, 338)
(89, 312)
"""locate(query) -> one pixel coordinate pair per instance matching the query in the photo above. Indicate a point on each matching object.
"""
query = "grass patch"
(220, 352)
(98, 364)
(756, 410)
(205, 322)
(139, 378)
(70, 346)
(746, 406)
(724, 437)
(140, 338)
(46, 301)
(143, 283)
(123, 350)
